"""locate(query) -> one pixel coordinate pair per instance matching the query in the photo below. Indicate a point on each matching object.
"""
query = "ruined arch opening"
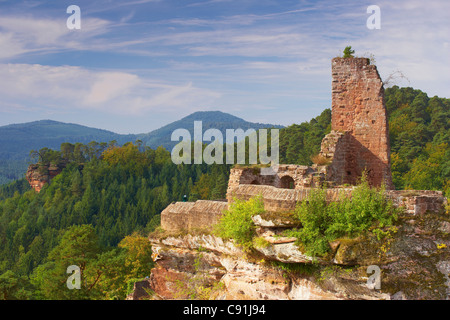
(287, 182)
(255, 182)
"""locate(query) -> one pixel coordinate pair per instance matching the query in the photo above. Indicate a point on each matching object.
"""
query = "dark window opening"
(287, 182)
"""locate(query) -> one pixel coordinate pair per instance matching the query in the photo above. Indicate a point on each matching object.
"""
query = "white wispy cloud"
(21, 35)
(68, 87)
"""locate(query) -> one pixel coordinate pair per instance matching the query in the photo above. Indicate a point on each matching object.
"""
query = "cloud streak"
(31, 35)
(73, 88)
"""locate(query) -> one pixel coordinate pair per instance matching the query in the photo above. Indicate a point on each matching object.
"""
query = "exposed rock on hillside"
(39, 175)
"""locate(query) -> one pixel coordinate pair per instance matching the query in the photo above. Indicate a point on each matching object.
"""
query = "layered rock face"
(414, 259)
(207, 267)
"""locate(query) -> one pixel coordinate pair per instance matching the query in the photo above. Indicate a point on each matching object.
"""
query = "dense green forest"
(16, 141)
(210, 119)
(114, 198)
(98, 212)
(419, 129)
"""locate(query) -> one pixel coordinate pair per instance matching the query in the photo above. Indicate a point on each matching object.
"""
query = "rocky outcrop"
(418, 258)
(413, 258)
(39, 175)
(414, 263)
(204, 267)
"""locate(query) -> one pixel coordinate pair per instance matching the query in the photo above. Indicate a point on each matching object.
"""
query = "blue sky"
(137, 65)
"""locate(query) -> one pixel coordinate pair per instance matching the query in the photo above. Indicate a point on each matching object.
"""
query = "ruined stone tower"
(357, 143)
(359, 119)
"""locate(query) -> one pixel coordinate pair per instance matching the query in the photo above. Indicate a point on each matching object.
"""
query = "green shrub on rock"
(236, 222)
(367, 209)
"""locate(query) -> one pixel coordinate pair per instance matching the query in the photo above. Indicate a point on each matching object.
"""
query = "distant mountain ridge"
(16, 140)
(210, 119)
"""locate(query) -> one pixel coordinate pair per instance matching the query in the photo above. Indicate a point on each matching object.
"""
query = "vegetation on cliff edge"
(366, 210)
(322, 221)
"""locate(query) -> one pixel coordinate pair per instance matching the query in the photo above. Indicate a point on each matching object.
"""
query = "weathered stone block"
(187, 216)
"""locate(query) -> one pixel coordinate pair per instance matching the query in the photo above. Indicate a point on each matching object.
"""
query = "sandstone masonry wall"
(278, 199)
(287, 176)
(358, 108)
(419, 202)
(187, 216)
(416, 202)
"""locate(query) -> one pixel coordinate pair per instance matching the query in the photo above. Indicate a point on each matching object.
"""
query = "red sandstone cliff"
(414, 260)
(38, 175)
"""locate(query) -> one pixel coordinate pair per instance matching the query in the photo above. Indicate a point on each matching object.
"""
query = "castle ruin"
(357, 143)
(359, 118)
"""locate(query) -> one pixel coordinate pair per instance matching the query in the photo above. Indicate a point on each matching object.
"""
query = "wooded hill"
(98, 212)
(17, 140)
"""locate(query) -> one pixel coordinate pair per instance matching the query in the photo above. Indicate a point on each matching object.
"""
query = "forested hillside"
(90, 212)
(16, 141)
(419, 129)
(300, 142)
(210, 119)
